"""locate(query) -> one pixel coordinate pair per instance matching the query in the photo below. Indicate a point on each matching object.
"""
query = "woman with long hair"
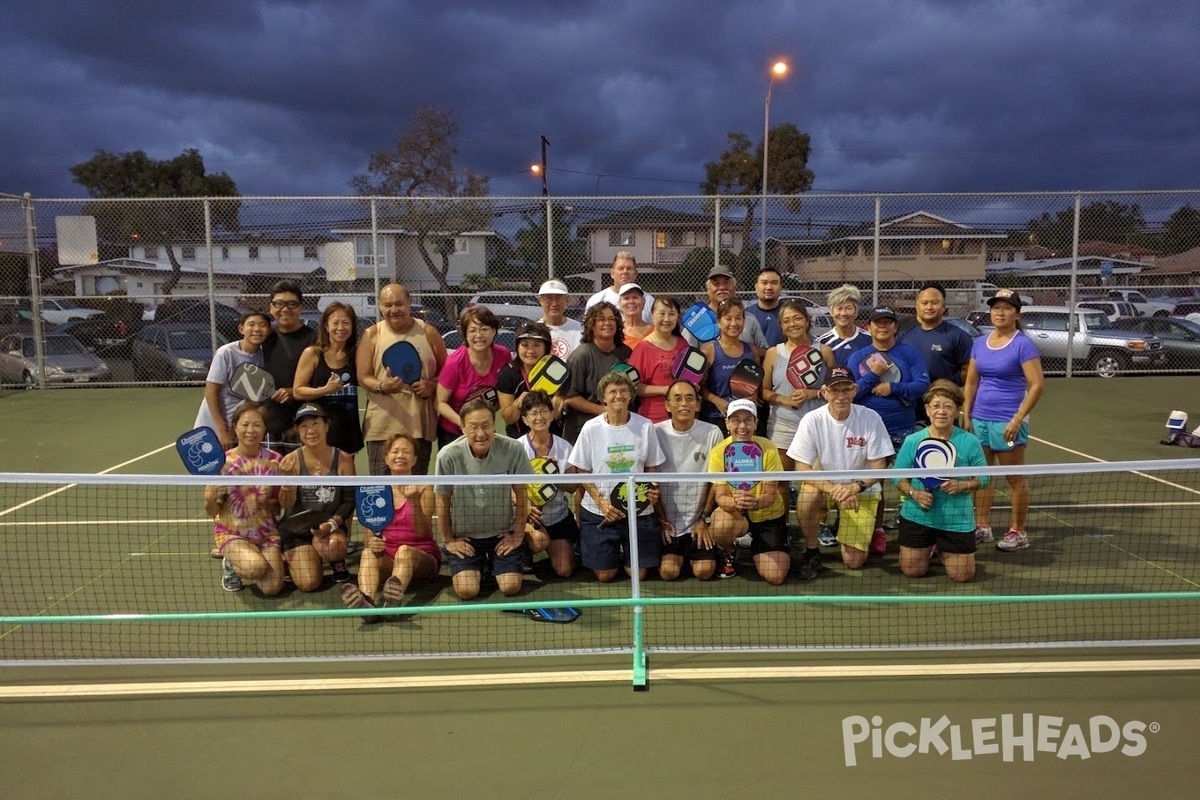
(326, 375)
(654, 356)
(723, 355)
(601, 348)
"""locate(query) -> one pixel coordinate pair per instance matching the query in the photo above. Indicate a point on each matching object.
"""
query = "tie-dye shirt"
(249, 511)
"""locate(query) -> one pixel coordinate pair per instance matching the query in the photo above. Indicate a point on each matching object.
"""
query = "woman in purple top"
(1004, 383)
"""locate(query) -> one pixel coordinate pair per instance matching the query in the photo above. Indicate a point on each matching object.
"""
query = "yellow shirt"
(771, 463)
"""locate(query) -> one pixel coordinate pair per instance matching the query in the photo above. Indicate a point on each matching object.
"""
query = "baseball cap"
(839, 375)
(309, 410)
(629, 287)
(1008, 296)
(882, 312)
(719, 271)
(553, 287)
(533, 330)
(741, 404)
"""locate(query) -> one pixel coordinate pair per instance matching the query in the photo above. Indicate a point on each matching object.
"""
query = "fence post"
(1073, 289)
(717, 232)
(212, 300)
(35, 290)
(640, 677)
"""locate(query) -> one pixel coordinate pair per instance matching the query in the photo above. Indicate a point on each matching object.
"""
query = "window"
(906, 247)
(224, 253)
(462, 244)
(994, 257)
(188, 253)
(253, 252)
(621, 239)
(310, 252)
(727, 240)
(151, 253)
(660, 239)
(362, 252)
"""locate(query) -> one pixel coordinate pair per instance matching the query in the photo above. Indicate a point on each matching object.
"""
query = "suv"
(1144, 305)
(1113, 309)
(508, 304)
(1106, 351)
(57, 310)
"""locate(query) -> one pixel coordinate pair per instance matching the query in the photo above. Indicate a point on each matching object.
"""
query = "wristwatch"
(706, 519)
(862, 485)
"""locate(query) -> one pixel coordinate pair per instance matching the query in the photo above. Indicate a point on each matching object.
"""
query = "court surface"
(412, 728)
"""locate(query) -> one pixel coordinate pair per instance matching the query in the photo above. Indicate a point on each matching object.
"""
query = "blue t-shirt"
(717, 381)
(844, 348)
(898, 409)
(1001, 377)
(946, 349)
(949, 512)
(768, 319)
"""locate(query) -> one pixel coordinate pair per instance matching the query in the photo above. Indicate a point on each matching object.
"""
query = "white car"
(508, 304)
(57, 310)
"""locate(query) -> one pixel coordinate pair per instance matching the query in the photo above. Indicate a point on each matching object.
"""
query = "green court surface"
(694, 735)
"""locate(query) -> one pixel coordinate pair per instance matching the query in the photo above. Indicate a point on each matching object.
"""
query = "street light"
(778, 70)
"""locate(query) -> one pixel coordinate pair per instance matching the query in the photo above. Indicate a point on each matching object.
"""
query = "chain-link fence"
(115, 276)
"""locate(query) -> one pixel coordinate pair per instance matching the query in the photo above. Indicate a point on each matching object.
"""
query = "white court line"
(1102, 461)
(63, 522)
(42, 497)
(475, 681)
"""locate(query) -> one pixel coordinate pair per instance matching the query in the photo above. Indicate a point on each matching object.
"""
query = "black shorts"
(608, 548)
(769, 536)
(485, 549)
(290, 540)
(565, 528)
(685, 547)
(916, 535)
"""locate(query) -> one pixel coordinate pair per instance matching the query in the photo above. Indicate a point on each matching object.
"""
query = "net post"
(640, 677)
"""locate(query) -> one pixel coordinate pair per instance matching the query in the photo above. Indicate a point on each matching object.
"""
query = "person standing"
(1004, 384)
(946, 348)
(565, 333)
(281, 354)
(653, 358)
(394, 406)
(602, 348)
(845, 338)
(326, 376)
(622, 271)
(721, 287)
(767, 289)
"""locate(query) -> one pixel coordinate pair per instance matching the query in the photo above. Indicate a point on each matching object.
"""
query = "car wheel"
(27, 380)
(1161, 314)
(1109, 364)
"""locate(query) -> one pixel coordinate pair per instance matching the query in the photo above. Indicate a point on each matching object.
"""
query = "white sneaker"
(743, 541)
(1013, 541)
(983, 535)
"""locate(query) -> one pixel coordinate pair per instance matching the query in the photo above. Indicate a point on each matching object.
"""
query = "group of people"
(874, 396)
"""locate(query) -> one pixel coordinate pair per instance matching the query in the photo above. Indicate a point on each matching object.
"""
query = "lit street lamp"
(778, 70)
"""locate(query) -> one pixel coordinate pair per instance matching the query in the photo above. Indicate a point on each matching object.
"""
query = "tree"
(697, 263)
(1105, 220)
(1182, 230)
(161, 223)
(738, 170)
(421, 190)
(570, 254)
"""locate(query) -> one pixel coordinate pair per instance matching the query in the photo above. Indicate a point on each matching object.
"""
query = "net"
(118, 568)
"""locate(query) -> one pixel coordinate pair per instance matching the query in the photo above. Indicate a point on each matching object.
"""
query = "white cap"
(629, 287)
(1177, 421)
(741, 404)
(553, 287)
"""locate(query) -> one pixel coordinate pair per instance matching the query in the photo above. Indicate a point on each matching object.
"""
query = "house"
(144, 280)
(1180, 269)
(655, 236)
(399, 255)
(913, 248)
(1126, 252)
(1055, 273)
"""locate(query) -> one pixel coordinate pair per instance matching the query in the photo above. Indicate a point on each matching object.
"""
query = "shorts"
(261, 542)
(991, 435)
(915, 535)
(288, 540)
(769, 535)
(485, 550)
(565, 528)
(855, 528)
(781, 432)
(608, 548)
(426, 546)
(685, 547)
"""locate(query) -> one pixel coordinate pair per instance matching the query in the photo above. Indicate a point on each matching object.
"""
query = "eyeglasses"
(292, 304)
(540, 411)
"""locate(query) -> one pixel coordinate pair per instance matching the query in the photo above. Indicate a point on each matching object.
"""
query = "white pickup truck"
(1144, 305)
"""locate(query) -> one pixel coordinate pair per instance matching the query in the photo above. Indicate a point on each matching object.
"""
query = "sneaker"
(744, 541)
(891, 522)
(353, 547)
(1013, 541)
(826, 537)
(809, 565)
(727, 564)
(353, 598)
(340, 573)
(230, 581)
(983, 535)
(393, 593)
(879, 542)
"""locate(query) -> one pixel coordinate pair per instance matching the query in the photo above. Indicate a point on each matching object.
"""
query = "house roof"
(906, 226)
(134, 266)
(1185, 263)
(650, 216)
(1097, 247)
(1062, 266)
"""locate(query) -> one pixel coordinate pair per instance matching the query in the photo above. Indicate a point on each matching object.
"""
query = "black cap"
(1007, 296)
(882, 312)
(309, 410)
(839, 375)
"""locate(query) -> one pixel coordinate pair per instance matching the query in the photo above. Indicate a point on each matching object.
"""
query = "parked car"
(65, 358)
(1113, 309)
(1095, 346)
(179, 351)
(1187, 308)
(1180, 338)
(436, 318)
(196, 310)
(508, 304)
(57, 310)
(106, 335)
(504, 336)
(1144, 306)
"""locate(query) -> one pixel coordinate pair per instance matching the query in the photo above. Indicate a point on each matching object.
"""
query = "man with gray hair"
(623, 271)
(721, 285)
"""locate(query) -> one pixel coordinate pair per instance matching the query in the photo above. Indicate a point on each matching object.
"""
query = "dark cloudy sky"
(898, 95)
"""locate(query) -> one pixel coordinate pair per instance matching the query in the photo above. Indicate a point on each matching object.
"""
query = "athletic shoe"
(744, 540)
(353, 598)
(340, 573)
(891, 522)
(353, 547)
(1013, 541)
(879, 542)
(727, 564)
(826, 537)
(230, 581)
(809, 565)
(983, 535)
(393, 593)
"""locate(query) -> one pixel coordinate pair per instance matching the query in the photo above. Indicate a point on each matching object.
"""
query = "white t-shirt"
(825, 443)
(227, 358)
(564, 338)
(685, 451)
(610, 295)
(560, 450)
(604, 449)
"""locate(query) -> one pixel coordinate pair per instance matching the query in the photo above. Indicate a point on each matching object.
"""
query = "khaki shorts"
(855, 528)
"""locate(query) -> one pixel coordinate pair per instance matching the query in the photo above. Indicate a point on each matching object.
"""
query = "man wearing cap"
(565, 332)
(839, 436)
(767, 288)
(760, 511)
(892, 378)
(623, 271)
(392, 405)
(945, 347)
(720, 285)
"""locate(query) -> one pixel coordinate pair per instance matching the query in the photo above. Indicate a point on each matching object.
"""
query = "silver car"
(67, 361)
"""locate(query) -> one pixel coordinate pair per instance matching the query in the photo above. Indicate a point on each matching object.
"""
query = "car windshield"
(65, 303)
(1095, 319)
(54, 346)
(192, 340)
